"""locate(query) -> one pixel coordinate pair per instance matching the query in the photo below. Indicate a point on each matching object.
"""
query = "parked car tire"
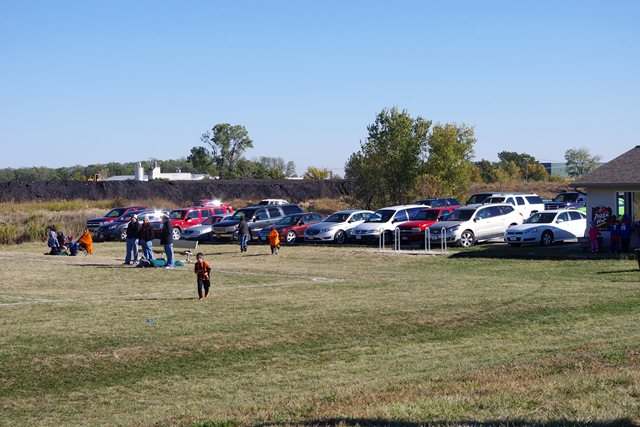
(177, 234)
(467, 239)
(291, 237)
(123, 235)
(547, 238)
(340, 237)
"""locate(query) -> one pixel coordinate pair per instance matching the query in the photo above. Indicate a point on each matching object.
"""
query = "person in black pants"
(166, 240)
(133, 233)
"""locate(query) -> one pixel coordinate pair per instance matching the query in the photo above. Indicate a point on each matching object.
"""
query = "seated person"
(52, 241)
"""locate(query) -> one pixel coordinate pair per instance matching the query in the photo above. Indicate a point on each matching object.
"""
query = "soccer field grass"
(317, 335)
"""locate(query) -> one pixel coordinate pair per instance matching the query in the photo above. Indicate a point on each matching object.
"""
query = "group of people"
(621, 229)
(59, 244)
(141, 234)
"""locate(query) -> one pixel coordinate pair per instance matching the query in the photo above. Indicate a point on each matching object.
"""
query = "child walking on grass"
(274, 241)
(203, 273)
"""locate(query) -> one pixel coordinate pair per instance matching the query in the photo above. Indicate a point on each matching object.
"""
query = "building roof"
(624, 170)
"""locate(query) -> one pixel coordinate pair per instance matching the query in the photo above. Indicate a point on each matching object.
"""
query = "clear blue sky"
(89, 81)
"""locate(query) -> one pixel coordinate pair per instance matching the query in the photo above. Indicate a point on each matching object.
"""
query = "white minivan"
(469, 225)
(384, 220)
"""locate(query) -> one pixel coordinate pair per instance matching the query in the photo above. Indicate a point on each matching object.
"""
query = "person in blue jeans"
(166, 240)
(146, 239)
(133, 233)
(244, 234)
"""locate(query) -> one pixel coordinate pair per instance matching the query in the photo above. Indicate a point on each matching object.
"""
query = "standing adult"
(133, 233)
(146, 239)
(244, 234)
(166, 239)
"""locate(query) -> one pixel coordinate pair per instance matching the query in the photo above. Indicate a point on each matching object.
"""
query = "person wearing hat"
(133, 234)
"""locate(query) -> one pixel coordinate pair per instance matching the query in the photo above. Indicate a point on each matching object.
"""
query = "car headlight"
(453, 228)
(325, 230)
(531, 231)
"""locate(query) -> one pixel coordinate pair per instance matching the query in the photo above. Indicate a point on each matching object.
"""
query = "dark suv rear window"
(291, 209)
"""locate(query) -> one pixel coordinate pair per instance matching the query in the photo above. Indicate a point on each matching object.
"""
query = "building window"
(635, 209)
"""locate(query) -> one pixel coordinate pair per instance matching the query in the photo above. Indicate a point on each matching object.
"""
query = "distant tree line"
(405, 157)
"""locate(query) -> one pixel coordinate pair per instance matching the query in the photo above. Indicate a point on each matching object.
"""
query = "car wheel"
(547, 238)
(467, 239)
(177, 234)
(123, 235)
(291, 237)
(340, 237)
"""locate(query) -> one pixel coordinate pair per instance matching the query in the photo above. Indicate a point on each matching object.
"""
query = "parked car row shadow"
(365, 422)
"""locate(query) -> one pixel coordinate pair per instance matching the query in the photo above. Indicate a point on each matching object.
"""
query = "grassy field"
(318, 336)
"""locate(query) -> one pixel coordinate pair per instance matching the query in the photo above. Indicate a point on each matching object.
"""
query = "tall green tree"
(449, 166)
(529, 167)
(290, 170)
(580, 161)
(200, 159)
(227, 144)
(386, 168)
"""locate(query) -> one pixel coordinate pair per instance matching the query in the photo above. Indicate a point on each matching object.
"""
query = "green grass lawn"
(318, 336)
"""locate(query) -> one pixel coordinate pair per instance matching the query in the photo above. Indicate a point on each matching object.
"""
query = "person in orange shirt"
(203, 273)
(86, 241)
(274, 241)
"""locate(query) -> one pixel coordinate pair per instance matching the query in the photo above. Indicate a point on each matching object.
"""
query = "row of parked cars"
(516, 218)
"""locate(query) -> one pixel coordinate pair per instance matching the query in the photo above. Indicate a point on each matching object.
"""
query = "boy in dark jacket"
(244, 234)
(166, 240)
(203, 274)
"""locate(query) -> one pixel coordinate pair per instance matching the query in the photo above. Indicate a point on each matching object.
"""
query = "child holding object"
(274, 241)
(203, 274)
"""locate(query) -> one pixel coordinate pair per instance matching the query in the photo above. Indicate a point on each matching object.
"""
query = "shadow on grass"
(163, 299)
(560, 252)
(364, 422)
(632, 270)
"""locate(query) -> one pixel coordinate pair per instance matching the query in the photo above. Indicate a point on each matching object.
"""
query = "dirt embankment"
(176, 191)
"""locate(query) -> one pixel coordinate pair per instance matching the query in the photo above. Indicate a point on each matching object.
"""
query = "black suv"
(259, 217)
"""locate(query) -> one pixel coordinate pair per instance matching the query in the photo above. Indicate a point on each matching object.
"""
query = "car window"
(205, 213)
(193, 215)
(520, 201)
(401, 216)
(316, 217)
(506, 210)
(534, 200)
(510, 201)
(483, 213)
(564, 216)
(575, 216)
(274, 212)
(261, 215)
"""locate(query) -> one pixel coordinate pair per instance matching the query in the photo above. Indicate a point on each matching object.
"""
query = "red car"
(291, 227)
(117, 214)
(413, 230)
(181, 219)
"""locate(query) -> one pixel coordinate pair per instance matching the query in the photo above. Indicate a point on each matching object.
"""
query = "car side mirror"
(476, 219)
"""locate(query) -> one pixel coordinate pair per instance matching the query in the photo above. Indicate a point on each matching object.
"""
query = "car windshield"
(289, 220)
(478, 198)
(541, 218)
(338, 217)
(461, 215)
(247, 213)
(566, 197)
(114, 213)
(424, 215)
(177, 214)
(383, 215)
